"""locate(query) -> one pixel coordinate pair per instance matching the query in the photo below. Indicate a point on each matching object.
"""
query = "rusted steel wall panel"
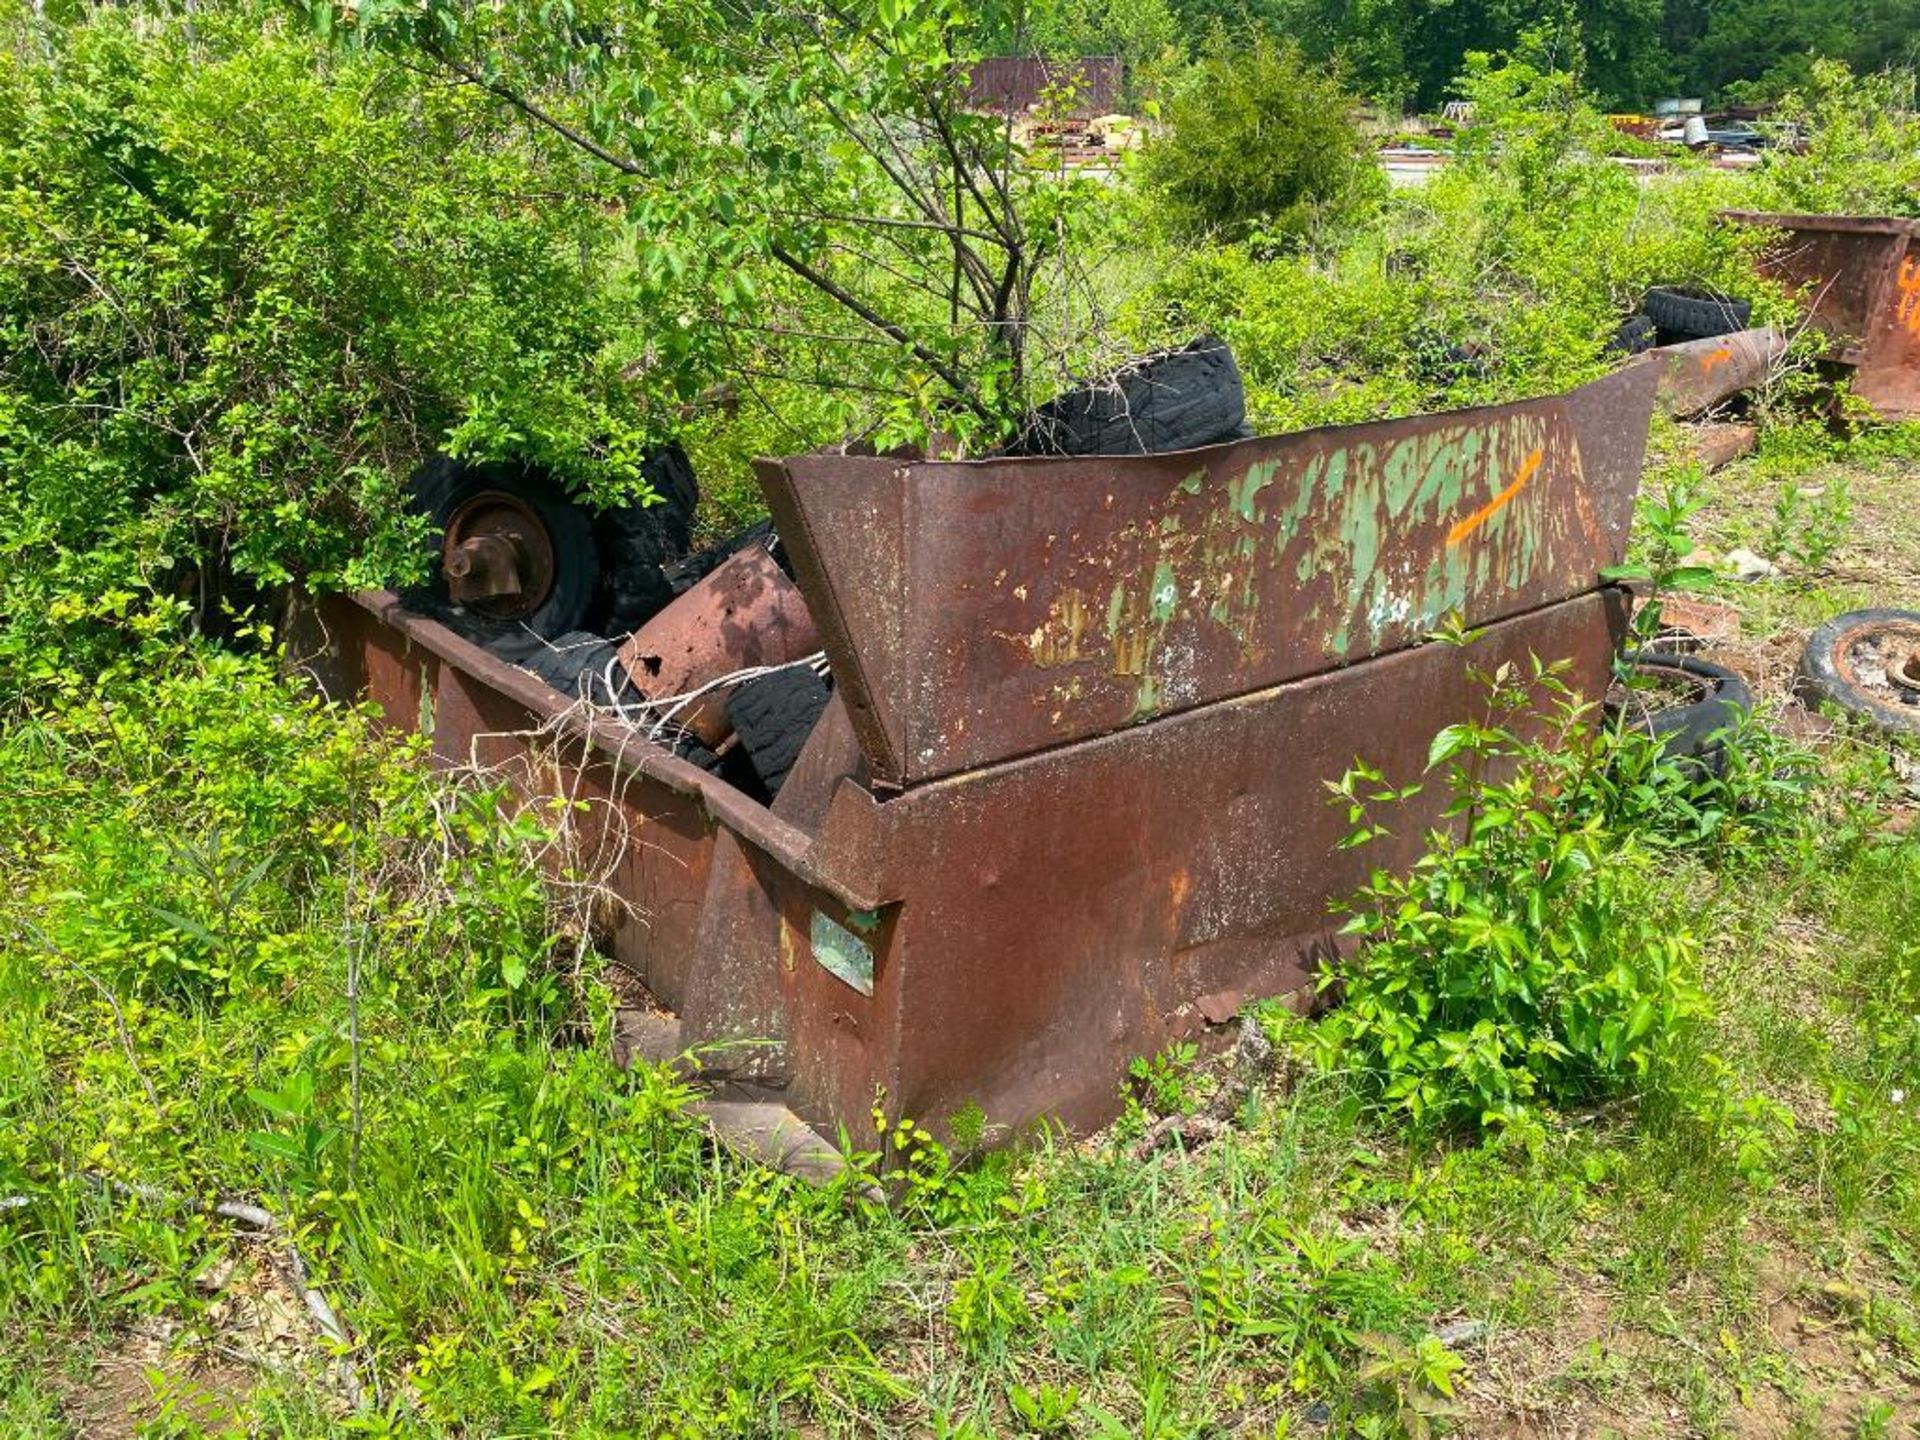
(1069, 911)
(1860, 282)
(979, 611)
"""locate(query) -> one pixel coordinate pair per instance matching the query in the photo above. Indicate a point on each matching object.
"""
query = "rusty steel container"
(1068, 804)
(1859, 279)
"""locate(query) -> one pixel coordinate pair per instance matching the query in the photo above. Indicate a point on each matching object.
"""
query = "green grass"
(524, 1241)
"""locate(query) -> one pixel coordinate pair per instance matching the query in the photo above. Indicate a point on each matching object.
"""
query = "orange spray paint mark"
(1498, 503)
(1713, 361)
(1907, 308)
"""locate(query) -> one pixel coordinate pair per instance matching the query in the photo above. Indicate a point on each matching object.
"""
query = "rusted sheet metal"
(1699, 374)
(747, 612)
(979, 611)
(1859, 279)
(480, 711)
(1064, 913)
(1010, 937)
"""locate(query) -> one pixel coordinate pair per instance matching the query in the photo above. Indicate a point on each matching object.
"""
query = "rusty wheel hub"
(1906, 673)
(497, 556)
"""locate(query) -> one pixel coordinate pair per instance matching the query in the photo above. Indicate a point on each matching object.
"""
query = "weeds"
(1525, 959)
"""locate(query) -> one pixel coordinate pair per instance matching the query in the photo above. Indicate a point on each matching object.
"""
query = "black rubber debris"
(1175, 400)
(1689, 705)
(636, 544)
(773, 716)
(1634, 335)
(1682, 314)
(580, 664)
(684, 574)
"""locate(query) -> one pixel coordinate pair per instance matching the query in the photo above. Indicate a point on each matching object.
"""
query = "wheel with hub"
(513, 551)
(1867, 662)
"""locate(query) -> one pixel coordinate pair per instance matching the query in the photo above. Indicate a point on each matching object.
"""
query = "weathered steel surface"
(1699, 374)
(1017, 933)
(1859, 278)
(1069, 802)
(1061, 914)
(661, 813)
(747, 612)
(979, 611)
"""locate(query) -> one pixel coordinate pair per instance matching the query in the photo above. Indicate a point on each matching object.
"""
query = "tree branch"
(827, 286)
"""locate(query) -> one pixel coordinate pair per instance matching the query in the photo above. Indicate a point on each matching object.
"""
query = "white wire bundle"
(669, 706)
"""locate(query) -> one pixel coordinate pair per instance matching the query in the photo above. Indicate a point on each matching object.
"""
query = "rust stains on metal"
(746, 613)
(1698, 374)
(1859, 280)
(1068, 801)
(497, 556)
(975, 612)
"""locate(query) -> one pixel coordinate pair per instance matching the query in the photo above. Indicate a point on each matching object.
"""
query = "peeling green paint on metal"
(1335, 521)
(1165, 593)
(1246, 490)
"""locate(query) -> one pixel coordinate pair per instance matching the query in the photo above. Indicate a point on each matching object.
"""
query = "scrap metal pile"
(713, 653)
(960, 784)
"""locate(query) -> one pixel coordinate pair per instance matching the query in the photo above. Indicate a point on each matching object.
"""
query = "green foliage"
(828, 145)
(1862, 153)
(1503, 277)
(1165, 1082)
(1145, 34)
(1524, 960)
(1260, 147)
(1809, 524)
(247, 287)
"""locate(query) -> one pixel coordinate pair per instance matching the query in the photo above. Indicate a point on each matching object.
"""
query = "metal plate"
(1061, 914)
(1860, 285)
(746, 613)
(975, 612)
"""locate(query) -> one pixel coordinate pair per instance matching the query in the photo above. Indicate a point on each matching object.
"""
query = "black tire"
(635, 544)
(685, 573)
(1847, 663)
(773, 716)
(1634, 335)
(441, 485)
(581, 665)
(1175, 400)
(1690, 315)
(1693, 734)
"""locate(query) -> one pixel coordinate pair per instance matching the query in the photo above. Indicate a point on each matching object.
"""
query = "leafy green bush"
(1862, 154)
(1260, 145)
(248, 285)
(1504, 277)
(1526, 958)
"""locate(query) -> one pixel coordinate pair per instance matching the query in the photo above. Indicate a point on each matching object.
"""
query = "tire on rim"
(526, 550)
(1692, 733)
(636, 544)
(1867, 662)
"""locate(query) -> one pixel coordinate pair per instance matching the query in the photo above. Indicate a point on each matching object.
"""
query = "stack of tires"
(1675, 314)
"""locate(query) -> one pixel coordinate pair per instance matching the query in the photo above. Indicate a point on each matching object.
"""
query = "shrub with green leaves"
(1526, 958)
(1260, 146)
(248, 285)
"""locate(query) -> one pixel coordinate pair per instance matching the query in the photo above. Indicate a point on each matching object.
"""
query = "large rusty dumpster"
(1068, 803)
(1859, 279)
